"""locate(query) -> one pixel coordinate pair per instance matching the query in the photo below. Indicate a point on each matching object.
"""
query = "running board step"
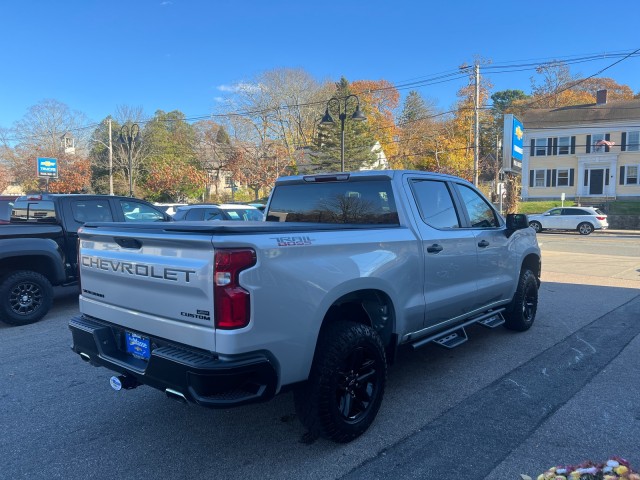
(493, 321)
(453, 339)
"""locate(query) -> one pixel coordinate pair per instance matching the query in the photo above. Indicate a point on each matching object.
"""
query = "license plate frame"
(138, 345)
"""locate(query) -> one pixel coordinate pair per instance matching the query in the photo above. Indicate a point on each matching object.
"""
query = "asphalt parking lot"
(500, 405)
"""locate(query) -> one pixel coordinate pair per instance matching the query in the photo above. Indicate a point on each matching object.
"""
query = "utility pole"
(476, 133)
(110, 161)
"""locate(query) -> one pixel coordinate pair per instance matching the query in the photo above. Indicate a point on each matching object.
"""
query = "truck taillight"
(232, 306)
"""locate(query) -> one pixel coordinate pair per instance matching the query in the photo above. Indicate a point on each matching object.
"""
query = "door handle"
(483, 244)
(435, 248)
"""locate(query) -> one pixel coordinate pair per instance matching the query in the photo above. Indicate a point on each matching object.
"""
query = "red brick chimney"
(601, 97)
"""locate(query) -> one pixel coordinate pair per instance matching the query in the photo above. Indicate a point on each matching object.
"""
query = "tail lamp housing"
(232, 306)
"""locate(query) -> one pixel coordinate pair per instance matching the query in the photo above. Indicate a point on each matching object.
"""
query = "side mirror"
(517, 221)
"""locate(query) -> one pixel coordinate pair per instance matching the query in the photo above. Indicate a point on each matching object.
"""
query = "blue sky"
(179, 54)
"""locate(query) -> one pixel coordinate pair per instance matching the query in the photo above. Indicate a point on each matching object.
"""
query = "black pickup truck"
(38, 248)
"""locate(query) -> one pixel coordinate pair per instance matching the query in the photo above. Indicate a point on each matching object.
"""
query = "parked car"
(6, 204)
(169, 208)
(583, 219)
(224, 211)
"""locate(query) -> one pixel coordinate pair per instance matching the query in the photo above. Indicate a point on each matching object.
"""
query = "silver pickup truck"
(346, 269)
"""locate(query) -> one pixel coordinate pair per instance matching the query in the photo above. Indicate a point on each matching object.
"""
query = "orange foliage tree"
(379, 99)
(74, 175)
(175, 181)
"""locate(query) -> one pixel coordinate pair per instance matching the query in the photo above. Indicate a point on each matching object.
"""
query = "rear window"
(364, 202)
(33, 211)
(246, 214)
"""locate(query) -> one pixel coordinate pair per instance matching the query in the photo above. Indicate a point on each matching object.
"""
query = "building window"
(228, 181)
(539, 176)
(563, 178)
(633, 141)
(564, 145)
(632, 175)
(597, 143)
(540, 147)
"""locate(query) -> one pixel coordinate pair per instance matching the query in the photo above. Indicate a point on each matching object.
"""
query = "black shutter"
(549, 146)
(621, 182)
(531, 173)
(533, 147)
(555, 145)
(606, 177)
(571, 176)
(586, 178)
(623, 142)
(573, 145)
(607, 137)
(548, 178)
(553, 177)
(588, 150)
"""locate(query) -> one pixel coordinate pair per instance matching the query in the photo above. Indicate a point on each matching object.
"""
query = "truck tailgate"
(151, 281)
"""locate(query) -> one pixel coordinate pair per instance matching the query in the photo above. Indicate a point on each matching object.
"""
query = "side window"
(481, 214)
(555, 212)
(435, 203)
(91, 211)
(195, 214)
(213, 214)
(140, 212)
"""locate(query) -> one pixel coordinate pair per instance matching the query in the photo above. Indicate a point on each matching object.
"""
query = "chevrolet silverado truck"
(38, 246)
(317, 299)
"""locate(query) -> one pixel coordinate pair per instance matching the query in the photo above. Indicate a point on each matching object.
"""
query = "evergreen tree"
(358, 138)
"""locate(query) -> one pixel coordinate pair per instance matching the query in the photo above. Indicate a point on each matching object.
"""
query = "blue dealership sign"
(512, 144)
(48, 167)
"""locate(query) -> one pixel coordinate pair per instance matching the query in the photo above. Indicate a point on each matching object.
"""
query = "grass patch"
(539, 207)
(624, 208)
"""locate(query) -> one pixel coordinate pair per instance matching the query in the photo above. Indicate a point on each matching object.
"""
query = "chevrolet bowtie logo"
(519, 132)
(48, 163)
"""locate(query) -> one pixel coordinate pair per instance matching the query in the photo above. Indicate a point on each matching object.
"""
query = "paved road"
(500, 405)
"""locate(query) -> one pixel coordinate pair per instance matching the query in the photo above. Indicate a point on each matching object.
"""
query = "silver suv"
(583, 219)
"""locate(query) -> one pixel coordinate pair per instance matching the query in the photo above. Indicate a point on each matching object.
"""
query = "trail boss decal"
(293, 241)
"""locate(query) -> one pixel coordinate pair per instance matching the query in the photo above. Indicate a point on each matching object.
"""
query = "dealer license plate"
(138, 346)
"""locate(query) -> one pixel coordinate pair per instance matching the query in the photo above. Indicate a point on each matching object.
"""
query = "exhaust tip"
(175, 395)
(85, 357)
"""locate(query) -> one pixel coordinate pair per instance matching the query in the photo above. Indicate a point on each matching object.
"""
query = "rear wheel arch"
(370, 307)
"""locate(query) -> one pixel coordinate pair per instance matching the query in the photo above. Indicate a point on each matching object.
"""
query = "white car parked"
(583, 219)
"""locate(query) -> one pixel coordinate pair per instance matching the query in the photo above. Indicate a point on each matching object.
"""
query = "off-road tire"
(521, 312)
(25, 297)
(537, 226)
(344, 391)
(585, 228)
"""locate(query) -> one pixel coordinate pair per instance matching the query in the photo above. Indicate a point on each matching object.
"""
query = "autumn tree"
(257, 166)
(172, 170)
(281, 105)
(213, 150)
(39, 134)
(379, 99)
(419, 130)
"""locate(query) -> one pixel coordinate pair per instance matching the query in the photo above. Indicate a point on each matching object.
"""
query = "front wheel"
(25, 297)
(344, 391)
(521, 312)
(537, 226)
(585, 228)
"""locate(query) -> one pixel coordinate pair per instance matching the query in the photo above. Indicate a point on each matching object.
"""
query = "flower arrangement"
(614, 469)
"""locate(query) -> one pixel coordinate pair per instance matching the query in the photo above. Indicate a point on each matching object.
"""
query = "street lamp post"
(129, 134)
(327, 119)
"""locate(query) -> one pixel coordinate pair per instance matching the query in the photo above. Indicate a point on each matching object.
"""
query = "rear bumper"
(200, 376)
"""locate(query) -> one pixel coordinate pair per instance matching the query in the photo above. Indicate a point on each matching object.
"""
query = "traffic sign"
(48, 167)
